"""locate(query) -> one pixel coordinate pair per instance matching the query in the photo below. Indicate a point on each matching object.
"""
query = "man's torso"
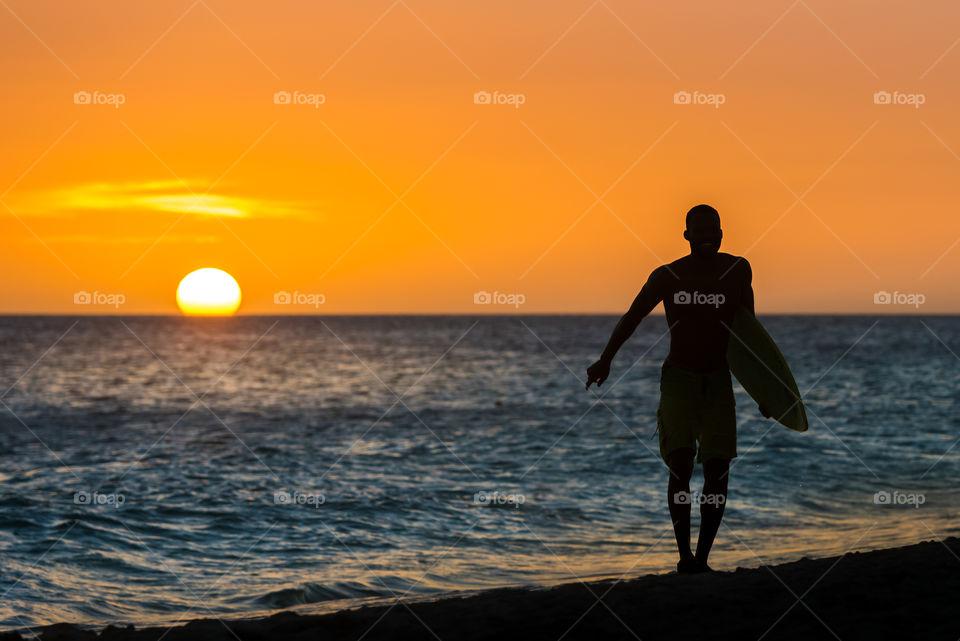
(700, 299)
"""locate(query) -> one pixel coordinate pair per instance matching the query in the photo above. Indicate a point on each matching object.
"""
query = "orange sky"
(200, 168)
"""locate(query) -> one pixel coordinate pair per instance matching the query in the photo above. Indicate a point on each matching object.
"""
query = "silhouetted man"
(700, 294)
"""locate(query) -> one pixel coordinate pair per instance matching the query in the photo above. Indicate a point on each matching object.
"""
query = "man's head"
(703, 230)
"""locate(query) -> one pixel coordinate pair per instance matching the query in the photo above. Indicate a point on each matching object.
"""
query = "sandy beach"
(907, 592)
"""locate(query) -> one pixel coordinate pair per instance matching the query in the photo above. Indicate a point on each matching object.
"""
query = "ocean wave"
(317, 593)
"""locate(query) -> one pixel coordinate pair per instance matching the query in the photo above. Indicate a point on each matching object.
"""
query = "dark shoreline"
(908, 592)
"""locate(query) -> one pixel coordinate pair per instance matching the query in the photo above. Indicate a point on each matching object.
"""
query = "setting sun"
(208, 292)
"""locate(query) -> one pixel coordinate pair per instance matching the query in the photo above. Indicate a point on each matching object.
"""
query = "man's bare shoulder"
(737, 264)
(666, 273)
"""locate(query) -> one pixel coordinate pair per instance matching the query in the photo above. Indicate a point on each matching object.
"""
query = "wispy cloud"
(91, 239)
(158, 196)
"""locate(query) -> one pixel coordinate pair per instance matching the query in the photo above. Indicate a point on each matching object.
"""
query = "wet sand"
(908, 592)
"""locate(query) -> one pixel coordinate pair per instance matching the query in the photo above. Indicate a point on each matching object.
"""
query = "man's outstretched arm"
(642, 305)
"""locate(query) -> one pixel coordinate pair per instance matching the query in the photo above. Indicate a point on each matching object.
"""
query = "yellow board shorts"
(697, 408)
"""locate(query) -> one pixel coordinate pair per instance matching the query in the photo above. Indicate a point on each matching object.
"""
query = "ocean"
(160, 469)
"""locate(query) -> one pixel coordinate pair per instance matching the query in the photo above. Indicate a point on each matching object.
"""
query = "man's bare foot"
(687, 565)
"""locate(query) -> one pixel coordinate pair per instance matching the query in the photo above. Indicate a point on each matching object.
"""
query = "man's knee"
(680, 462)
(716, 469)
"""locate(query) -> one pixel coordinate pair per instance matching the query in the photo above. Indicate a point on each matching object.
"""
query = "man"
(700, 294)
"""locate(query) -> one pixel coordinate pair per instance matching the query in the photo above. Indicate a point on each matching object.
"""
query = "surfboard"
(763, 372)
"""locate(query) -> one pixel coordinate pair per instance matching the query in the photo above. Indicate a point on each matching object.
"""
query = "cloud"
(170, 196)
(89, 239)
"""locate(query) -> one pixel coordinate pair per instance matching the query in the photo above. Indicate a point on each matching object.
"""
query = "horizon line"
(438, 314)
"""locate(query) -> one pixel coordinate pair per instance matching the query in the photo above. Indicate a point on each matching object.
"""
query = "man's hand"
(598, 373)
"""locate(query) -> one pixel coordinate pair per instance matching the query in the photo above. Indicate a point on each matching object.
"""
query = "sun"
(208, 292)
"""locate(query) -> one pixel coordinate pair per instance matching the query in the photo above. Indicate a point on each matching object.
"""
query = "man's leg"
(712, 502)
(680, 462)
